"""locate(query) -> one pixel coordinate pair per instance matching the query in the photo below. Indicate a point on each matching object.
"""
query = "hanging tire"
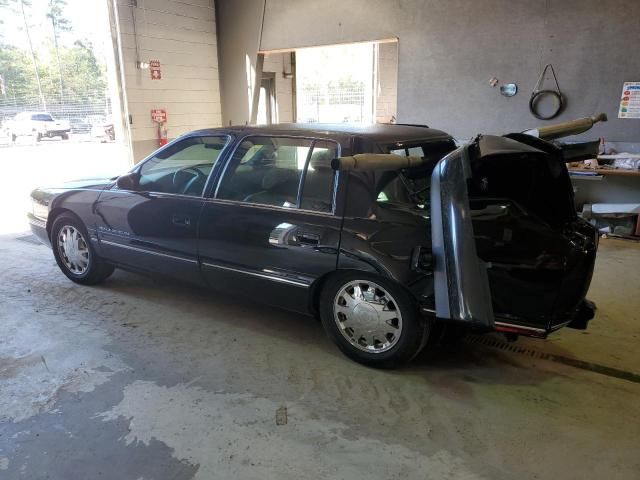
(74, 253)
(373, 320)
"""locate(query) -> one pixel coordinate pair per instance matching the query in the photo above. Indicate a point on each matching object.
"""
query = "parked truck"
(37, 125)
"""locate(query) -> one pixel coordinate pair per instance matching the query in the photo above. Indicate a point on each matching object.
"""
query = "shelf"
(604, 172)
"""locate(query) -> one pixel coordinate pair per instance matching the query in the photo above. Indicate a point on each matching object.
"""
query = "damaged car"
(390, 234)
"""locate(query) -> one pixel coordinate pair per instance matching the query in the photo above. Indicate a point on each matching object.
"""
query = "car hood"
(90, 183)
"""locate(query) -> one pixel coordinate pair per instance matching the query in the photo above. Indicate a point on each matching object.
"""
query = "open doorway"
(346, 83)
(60, 114)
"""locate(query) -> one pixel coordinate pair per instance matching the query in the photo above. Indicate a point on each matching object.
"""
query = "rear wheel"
(37, 136)
(13, 137)
(74, 254)
(371, 319)
(65, 136)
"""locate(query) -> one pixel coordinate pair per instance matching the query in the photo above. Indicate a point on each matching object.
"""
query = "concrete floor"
(148, 379)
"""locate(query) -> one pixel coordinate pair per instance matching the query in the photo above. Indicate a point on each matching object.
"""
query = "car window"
(317, 191)
(42, 117)
(404, 188)
(182, 168)
(270, 170)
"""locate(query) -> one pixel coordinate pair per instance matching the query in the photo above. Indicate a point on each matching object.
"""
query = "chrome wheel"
(367, 316)
(73, 249)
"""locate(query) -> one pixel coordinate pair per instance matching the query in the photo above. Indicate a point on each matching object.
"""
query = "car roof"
(378, 133)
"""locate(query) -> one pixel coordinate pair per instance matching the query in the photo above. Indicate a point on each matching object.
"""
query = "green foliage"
(17, 70)
(55, 13)
(83, 75)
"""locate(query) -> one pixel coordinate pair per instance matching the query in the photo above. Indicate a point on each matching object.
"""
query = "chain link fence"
(81, 113)
(330, 104)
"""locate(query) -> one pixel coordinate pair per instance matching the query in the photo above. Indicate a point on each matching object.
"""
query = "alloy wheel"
(367, 316)
(73, 250)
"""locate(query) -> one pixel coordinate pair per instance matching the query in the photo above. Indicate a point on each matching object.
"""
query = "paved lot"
(148, 379)
(26, 165)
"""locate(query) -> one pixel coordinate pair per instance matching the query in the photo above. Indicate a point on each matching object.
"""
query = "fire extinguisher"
(162, 134)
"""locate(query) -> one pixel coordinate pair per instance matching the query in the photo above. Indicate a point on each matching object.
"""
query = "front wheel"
(373, 320)
(65, 136)
(74, 253)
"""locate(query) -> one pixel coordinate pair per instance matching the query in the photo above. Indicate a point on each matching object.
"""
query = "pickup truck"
(38, 125)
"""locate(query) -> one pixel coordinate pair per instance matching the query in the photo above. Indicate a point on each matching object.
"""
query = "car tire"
(37, 136)
(14, 137)
(399, 332)
(65, 136)
(74, 253)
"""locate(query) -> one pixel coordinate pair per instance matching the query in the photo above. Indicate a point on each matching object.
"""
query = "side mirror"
(128, 181)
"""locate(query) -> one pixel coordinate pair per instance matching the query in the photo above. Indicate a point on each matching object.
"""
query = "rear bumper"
(579, 320)
(39, 229)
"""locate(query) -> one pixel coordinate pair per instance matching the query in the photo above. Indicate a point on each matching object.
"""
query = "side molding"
(460, 278)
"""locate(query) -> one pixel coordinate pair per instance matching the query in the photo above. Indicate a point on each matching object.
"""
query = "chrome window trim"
(144, 250)
(258, 275)
(313, 141)
(268, 207)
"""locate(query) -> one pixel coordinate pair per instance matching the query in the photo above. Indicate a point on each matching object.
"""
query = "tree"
(59, 23)
(84, 75)
(17, 72)
(3, 4)
(27, 3)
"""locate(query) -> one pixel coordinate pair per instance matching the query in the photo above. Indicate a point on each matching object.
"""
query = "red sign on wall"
(159, 115)
(154, 68)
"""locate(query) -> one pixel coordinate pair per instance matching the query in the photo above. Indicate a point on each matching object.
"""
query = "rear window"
(411, 187)
(408, 187)
(42, 117)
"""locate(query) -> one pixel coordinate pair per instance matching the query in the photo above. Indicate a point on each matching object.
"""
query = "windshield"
(42, 117)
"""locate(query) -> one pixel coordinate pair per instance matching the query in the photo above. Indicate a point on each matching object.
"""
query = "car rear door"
(154, 226)
(271, 227)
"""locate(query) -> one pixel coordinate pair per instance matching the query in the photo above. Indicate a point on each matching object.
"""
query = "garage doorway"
(345, 83)
(351, 83)
(267, 100)
(60, 111)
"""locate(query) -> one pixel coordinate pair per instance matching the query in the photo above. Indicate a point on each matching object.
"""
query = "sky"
(88, 20)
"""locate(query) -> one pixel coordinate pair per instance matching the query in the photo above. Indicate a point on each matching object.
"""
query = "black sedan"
(388, 233)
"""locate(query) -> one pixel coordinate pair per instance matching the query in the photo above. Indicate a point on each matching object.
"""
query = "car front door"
(153, 226)
(270, 228)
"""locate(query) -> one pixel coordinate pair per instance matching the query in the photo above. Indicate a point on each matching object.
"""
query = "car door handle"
(308, 239)
(181, 220)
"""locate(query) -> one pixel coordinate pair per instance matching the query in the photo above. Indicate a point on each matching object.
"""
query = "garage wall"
(182, 36)
(386, 88)
(449, 49)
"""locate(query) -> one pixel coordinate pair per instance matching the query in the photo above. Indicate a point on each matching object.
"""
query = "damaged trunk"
(530, 249)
